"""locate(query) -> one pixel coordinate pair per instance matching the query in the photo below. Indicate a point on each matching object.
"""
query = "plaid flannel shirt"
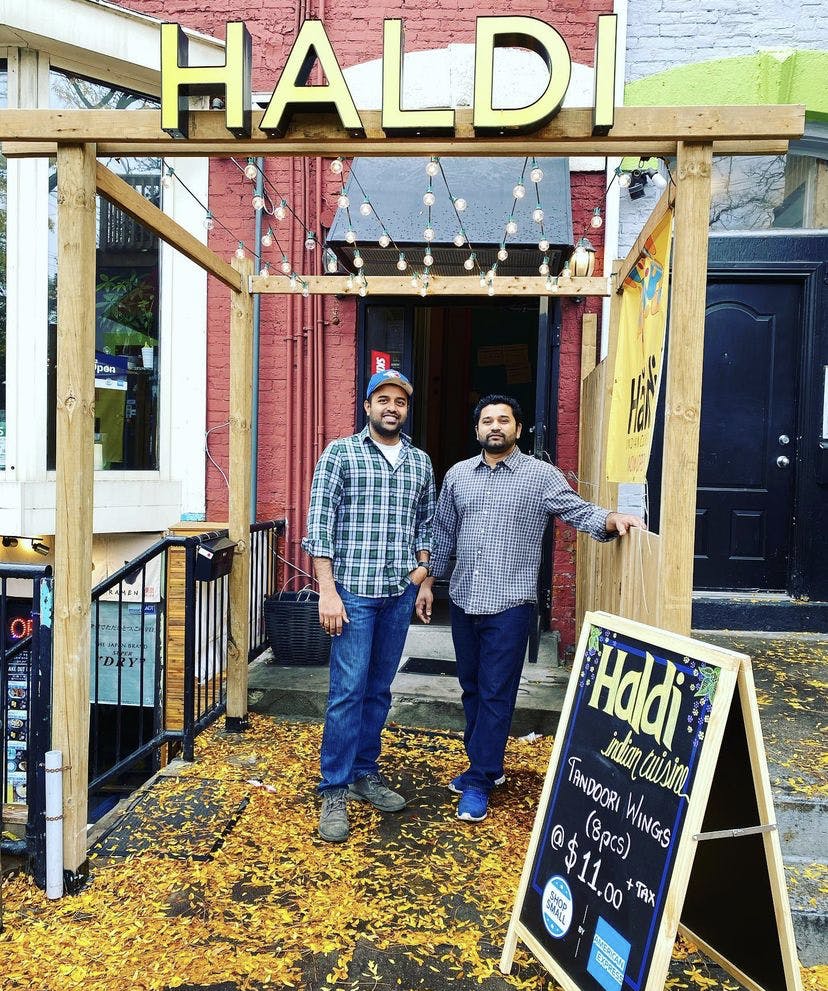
(493, 519)
(368, 517)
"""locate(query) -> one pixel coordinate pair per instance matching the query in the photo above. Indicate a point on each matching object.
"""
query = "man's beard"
(385, 429)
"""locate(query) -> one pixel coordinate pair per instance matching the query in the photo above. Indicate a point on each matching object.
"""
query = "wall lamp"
(10, 541)
(39, 547)
(582, 261)
(638, 181)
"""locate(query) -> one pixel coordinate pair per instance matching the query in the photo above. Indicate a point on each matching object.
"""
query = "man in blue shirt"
(369, 534)
(492, 512)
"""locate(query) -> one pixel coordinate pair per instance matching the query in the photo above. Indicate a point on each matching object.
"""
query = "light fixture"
(10, 541)
(293, 281)
(543, 244)
(258, 202)
(336, 166)
(286, 266)
(459, 239)
(240, 250)
(250, 169)
(491, 289)
(596, 220)
(459, 204)
(415, 280)
(624, 178)
(265, 270)
(565, 275)
(511, 226)
(166, 182)
(582, 262)
(363, 289)
(519, 190)
(502, 254)
(428, 233)
(428, 259)
(537, 215)
(359, 261)
(209, 223)
(433, 166)
(537, 172)
(349, 282)
(332, 263)
(468, 264)
(310, 241)
(657, 179)
(281, 210)
(402, 264)
(350, 235)
(365, 208)
(384, 239)
(343, 201)
(267, 238)
(543, 268)
(39, 547)
(429, 199)
(305, 290)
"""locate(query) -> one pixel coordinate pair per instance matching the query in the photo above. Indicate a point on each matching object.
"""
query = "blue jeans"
(489, 652)
(364, 660)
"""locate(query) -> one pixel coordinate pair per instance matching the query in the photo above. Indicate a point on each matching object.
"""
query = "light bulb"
(459, 239)
(365, 208)
(209, 223)
(548, 283)
(350, 236)
(428, 233)
(293, 280)
(537, 215)
(281, 210)
(336, 166)
(624, 179)
(332, 264)
(566, 275)
(468, 264)
(543, 244)
(265, 270)
(250, 169)
(343, 201)
(519, 191)
(502, 255)
(482, 281)
(596, 220)
(428, 259)
(433, 166)
(359, 261)
(554, 286)
(349, 284)
(384, 240)
(414, 280)
(285, 266)
(536, 174)
(310, 241)
(429, 199)
(363, 290)
(267, 238)
(460, 204)
(511, 227)
(166, 182)
(258, 202)
(490, 275)
(658, 180)
(543, 268)
(424, 289)
(305, 290)
(402, 264)
(240, 250)
(491, 290)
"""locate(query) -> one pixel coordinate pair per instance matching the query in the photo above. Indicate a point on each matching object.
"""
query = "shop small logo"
(556, 906)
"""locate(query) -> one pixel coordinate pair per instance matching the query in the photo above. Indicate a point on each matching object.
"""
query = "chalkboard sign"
(623, 802)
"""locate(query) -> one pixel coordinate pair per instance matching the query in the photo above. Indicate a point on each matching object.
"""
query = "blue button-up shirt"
(368, 517)
(494, 519)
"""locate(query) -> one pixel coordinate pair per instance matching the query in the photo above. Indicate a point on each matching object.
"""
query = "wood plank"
(599, 147)
(131, 202)
(240, 474)
(457, 285)
(683, 385)
(324, 134)
(640, 582)
(589, 343)
(73, 486)
(664, 204)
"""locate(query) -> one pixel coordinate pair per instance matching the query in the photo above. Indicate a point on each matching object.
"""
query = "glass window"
(767, 192)
(4, 94)
(126, 298)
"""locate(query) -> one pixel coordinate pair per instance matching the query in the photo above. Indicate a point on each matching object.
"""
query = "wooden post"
(684, 381)
(73, 489)
(241, 452)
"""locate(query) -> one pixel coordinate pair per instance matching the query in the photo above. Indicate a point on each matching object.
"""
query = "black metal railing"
(264, 559)
(25, 707)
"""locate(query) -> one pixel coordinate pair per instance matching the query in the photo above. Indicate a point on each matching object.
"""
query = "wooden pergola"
(76, 138)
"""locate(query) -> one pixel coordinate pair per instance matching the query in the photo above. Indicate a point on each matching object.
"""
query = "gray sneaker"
(372, 788)
(333, 820)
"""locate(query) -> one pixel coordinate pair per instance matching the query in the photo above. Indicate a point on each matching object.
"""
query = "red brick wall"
(356, 33)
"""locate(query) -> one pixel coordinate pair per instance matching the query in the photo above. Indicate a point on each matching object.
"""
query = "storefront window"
(4, 92)
(769, 192)
(127, 298)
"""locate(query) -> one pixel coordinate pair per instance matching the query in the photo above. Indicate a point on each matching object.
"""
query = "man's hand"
(425, 599)
(621, 522)
(331, 612)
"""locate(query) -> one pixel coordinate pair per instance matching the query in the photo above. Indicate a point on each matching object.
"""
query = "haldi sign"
(293, 93)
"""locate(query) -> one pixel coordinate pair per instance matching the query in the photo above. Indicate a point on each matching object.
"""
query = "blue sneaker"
(473, 806)
(456, 784)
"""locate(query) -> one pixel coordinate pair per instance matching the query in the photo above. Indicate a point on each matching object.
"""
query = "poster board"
(622, 809)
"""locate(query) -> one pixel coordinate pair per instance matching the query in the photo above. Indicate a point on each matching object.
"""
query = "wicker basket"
(293, 630)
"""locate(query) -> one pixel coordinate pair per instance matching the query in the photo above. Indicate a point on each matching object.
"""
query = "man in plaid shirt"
(491, 514)
(369, 534)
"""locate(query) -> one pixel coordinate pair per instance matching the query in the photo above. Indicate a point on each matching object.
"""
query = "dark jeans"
(364, 660)
(490, 652)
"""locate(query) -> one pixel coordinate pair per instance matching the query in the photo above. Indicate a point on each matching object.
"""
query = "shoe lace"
(335, 802)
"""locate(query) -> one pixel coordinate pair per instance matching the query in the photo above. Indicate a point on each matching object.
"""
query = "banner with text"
(639, 358)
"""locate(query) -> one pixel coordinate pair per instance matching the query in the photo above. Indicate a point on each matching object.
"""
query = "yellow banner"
(639, 358)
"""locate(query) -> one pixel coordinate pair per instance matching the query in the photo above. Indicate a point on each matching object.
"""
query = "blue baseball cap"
(388, 377)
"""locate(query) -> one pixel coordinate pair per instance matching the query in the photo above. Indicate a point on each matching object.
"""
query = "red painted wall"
(356, 33)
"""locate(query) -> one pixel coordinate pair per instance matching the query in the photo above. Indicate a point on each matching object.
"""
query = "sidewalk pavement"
(212, 876)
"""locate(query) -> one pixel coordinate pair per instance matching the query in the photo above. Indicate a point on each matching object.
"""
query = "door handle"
(782, 461)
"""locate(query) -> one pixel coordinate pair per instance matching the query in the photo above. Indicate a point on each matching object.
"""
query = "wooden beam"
(74, 489)
(392, 285)
(589, 343)
(241, 452)
(131, 202)
(683, 385)
(320, 134)
(664, 204)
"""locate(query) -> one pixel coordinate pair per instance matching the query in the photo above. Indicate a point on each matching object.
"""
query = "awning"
(395, 188)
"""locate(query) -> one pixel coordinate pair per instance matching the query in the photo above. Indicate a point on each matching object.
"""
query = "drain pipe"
(54, 823)
(257, 317)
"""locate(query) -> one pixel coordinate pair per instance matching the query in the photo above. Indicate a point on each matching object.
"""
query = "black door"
(747, 450)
